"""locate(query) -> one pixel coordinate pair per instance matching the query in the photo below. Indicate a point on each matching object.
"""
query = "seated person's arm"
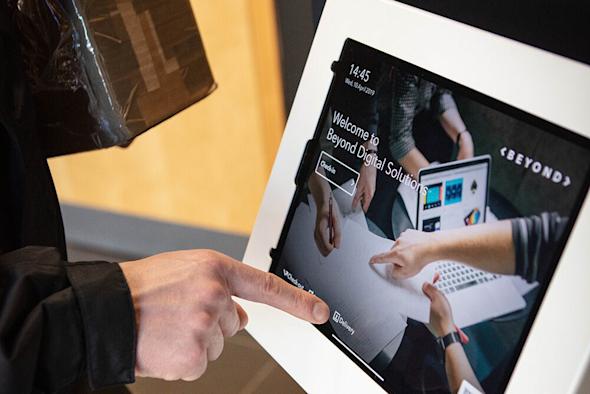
(453, 124)
(444, 106)
(441, 324)
(366, 185)
(486, 246)
(413, 161)
(403, 110)
(535, 238)
(521, 246)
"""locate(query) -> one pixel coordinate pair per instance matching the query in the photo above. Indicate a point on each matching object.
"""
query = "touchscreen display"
(431, 219)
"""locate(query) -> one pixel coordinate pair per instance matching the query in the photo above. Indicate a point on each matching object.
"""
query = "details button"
(329, 168)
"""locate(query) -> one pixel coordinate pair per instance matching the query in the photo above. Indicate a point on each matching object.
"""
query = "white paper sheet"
(359, 244)
(344, 201)
(370, 304)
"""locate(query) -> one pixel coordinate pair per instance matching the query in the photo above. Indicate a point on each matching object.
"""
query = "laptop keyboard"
(455, 276)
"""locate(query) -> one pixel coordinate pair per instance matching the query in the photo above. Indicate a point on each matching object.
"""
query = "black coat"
(59, 321)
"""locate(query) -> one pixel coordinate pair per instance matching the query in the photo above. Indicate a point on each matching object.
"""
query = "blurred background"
(196, 180)
(208, 165)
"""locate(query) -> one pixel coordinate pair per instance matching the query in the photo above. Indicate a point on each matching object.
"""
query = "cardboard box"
(103, 72)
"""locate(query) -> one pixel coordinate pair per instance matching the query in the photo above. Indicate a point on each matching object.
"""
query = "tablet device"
(388, 112)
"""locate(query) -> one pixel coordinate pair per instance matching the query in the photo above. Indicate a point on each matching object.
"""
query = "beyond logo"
(550, 173)
(339, 320)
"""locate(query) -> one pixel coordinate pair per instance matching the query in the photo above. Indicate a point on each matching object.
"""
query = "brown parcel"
(103, 72)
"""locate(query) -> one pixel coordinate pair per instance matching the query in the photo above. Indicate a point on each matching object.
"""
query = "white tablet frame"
(556, 354)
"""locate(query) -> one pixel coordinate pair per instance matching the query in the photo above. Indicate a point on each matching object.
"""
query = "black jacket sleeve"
(59, 320)
(535, 239)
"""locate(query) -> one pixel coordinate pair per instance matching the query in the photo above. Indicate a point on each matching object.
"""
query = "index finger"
(254, 285)
(389, 257)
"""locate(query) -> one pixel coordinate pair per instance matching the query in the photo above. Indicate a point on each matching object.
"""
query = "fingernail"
(375, 258)
(320, 311)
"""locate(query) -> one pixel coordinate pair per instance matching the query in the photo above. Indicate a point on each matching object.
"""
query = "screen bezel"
(347, 18)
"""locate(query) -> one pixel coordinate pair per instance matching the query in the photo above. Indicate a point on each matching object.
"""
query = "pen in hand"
(330, 223)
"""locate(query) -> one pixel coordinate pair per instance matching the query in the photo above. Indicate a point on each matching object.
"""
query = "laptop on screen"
(457, 194)
(458, 197)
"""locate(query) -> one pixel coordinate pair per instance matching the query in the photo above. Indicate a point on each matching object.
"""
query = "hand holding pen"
(327, 232)
(331, 222)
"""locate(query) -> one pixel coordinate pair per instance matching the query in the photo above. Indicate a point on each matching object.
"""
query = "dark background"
(532, 193)
(561, 27)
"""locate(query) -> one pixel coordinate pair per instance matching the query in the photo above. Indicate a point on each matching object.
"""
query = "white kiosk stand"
(556, 352)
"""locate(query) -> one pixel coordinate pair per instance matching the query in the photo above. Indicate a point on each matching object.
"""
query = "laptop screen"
(430, 218)
(457, 195)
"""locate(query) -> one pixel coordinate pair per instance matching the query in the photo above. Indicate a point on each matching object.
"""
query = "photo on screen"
(430, 218)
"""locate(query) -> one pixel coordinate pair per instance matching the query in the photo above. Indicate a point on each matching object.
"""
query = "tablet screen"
(431, 219)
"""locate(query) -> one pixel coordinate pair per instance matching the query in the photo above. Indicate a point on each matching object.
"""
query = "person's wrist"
(127, 269)
(368, 170)
(446, 329)
(369, 146)
(464, 138)
(430, 250)
(370, 167)
(452, 346)
(322, 201)
(324, 207)
(439, 246)
(132, 275)
(460, 134)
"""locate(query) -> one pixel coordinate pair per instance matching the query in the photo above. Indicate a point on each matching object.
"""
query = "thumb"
(430, 291)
